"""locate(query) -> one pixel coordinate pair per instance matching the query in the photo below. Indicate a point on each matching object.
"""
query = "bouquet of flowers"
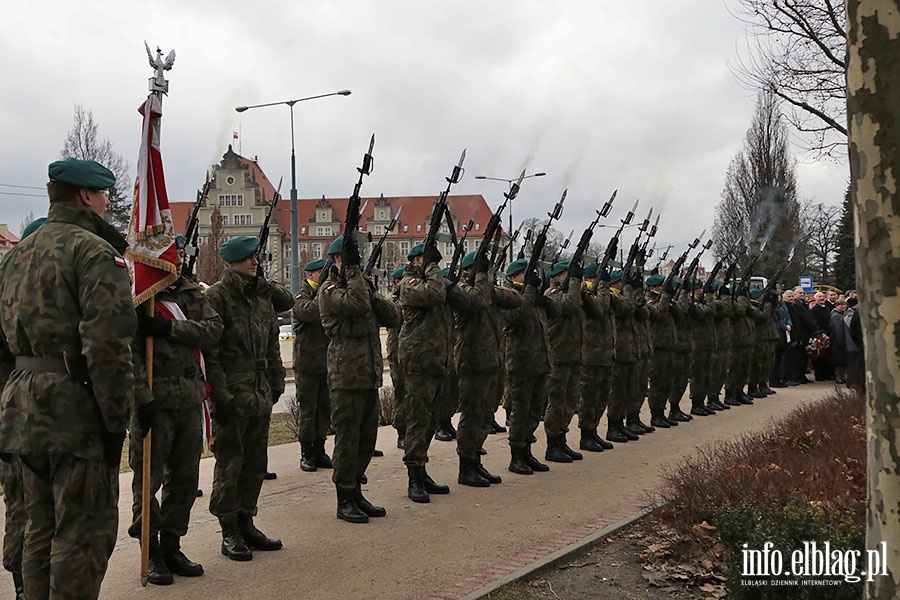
(817, 345)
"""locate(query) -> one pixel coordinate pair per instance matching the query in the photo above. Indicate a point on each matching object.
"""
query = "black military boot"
(755, 391)
(307, 457)
(716, 403)
(448, 426)
(233, 545)
(589, 441)
(442, 434)
(469, 475)
(698, 409)
(518, 464)
(603, 443)
(615, 432)
(19, 585)
(633, 424)
(323, 461)
(730, 400)
(574, 455)
(676, 414)
(178, 563)
(536, 465)
(432, 487)
(416, 490)
(347, 509)
(554, 452)
(366, 506)
(765, 389)
(401, 438)
(492, 479)
(743, 398)
(658, 419)
(254, 538)
(158, 572)
(496, 427)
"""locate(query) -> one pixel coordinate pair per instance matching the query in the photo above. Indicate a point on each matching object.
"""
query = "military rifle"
(729, 273)
(494, 224)
(351, 221)
(541, 239)
(707, 286)
(680, 262)
(501, 257)
(563, 246)
(264, 233)
(613, 245)
(634, 251)
(440, 208)
(774, 281)
(585, 241)
(689, 274)
(192, 230)
(650, 234)
(528, 236)
(453, 274)
(374, 263)
(744, 285)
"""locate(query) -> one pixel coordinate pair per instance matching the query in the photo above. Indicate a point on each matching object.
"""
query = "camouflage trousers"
(176, 444)
(241, 451)
(738, 370)
(662, 365)
(314, 407)
(423, 393)
(593, 395)
(701, 366)
(681, 373)
(562, 396)
(399, 397)
(354, 415)
(14, 497)
(624, 381)
(73, 515)
(448, 400)
(525, 394)
(760, 365)
(640, 382)
(477, 396)
(718, 371)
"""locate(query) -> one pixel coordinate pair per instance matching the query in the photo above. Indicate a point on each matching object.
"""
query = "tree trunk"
(873, 90)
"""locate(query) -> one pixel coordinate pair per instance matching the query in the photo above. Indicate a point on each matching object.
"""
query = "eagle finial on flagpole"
(158, 83)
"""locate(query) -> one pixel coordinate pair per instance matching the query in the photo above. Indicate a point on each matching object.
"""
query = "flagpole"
(145, 467)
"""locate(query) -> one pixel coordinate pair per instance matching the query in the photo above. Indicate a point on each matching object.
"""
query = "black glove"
(576, 271)
(112, 447)
(350, 254)
(669, 288)
(452, 278)
(222, 413)
(533, 279)
(604, 274)
(482, 263)
(156, 326)
(431, 254)
(146, 417)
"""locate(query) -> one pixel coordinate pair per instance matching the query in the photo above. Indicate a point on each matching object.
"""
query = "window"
(477, 226)
(404, 248)
(229, 180)
(287, 273)
(381, 215)
(323, 216)
(287, 250)
(323, 231)
(231, 199)
(224, 220)
(406, 229)
(243, 219)
(448, 249)
(302, 248)
(379, 230)
(303, 231)
(419, 227)
(317, 250)
(466, 245)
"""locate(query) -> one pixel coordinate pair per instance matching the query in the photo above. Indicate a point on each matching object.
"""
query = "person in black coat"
(821, 312)
(804, 327)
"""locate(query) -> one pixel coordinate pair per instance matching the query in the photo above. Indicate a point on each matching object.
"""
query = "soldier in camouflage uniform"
(742, 341)
(477, 357)
(65, 292)
(624, 378)
(247, 378)
(565, 330)
(352, 314)
(760, 353)
(448, 401)
(527, 367)
(662, 361)
(310, 372)
(393, 343)
(183, 327)
(644, 351)
(598, 352)
(724, 339)
(702, 318)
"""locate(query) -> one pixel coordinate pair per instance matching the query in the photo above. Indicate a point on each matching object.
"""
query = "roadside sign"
(806, 282)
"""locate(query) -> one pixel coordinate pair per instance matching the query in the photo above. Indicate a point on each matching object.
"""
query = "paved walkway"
(446, 549)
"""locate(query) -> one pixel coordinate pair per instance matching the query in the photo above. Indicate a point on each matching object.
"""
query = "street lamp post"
(295, 245)
(509, 182)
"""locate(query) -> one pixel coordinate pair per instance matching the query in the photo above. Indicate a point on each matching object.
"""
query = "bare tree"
(26, 221)
(83, 143)
(797, 51)
(759, 202)
(209, 264)
(820, 225)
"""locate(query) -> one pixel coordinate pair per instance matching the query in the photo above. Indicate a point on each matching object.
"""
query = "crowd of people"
(574, 340)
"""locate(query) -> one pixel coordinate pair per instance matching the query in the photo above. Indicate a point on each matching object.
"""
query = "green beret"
(81, 174)
(32, 227)
(239, 248)
(316, 265)
(469, 259)
(558, 268)
(445, 271)
(754, 294)
(516, 267)
(336, 246)
(715, 285)
(590, 271)
(615, 276)
(179, 242)
(398, 273)
(417, 250)
(655, 280)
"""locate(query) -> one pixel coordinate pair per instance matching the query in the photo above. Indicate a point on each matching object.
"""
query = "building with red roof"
(243, 193)
(8, 240)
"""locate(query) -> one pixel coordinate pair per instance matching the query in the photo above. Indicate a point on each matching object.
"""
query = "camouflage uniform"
(16, 518)
(352, 314)
(178, 392)
(722, 307)
(681, 367)
(624, 377)
(702, 316)
(247, 378)
(565, 331)
(598, 353)
(393, 347)
(662, 362)
(742, 341)
(642, 363)
(310, 371)
(66, 289)
(448, 400)
(758, 376)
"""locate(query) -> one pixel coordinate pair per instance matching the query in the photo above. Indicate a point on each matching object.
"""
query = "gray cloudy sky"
(600, 95)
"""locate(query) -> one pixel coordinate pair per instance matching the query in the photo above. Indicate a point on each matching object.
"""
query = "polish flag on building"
(151, 235)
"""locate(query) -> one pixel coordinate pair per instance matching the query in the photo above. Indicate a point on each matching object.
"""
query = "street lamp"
(509, 182)
(295, 246)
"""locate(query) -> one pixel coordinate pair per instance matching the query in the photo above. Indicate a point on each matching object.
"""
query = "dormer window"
(323, 216)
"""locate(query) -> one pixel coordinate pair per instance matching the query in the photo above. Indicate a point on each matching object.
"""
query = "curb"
(554, 557)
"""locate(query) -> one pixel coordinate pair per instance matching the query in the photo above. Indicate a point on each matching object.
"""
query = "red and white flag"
(151, 235)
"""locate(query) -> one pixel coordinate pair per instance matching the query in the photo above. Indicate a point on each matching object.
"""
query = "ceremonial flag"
(235, 136)
(151, 235)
